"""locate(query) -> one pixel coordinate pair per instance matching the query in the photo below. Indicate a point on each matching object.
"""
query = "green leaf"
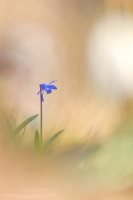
(21, 126)
(51, 140)
(10, 128)
(36, 142)
(9, 125)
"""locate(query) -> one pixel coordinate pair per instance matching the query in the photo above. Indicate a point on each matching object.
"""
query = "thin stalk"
(40, 116)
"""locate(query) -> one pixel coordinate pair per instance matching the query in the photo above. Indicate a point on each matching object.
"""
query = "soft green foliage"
(102, 164)
(111, 165)
(24, 124)
(9, 125)
(51, 140)
(10, 132)
(13, 133)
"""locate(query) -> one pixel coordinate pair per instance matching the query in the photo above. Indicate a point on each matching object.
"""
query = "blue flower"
(48, 88)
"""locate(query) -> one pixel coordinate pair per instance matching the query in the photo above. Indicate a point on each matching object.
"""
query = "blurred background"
(87, 45)
(42, 41)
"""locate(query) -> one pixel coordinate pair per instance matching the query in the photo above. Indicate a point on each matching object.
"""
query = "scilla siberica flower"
(48, 88)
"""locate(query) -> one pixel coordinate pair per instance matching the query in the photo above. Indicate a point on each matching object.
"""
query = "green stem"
(40, 116)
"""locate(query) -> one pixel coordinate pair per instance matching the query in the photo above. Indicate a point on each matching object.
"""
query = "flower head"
(48, 88)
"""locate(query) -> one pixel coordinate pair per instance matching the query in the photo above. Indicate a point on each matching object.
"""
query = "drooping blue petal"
(52, 82)
(49, 91)
(38, 93)
(53, 87)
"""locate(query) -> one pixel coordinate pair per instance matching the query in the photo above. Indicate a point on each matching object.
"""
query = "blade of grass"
(36, 142)
(22, 125)
(10, 129)
(51, 140)
(23, 135)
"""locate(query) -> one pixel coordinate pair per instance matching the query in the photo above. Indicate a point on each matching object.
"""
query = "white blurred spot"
(110, 55)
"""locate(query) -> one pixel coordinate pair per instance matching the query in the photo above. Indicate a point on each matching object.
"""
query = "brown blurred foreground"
(24, 176)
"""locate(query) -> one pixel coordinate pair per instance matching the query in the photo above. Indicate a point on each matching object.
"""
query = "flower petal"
(38, 93)
(49, 91)
(44, 86)
(52, 82)
(52, 87)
